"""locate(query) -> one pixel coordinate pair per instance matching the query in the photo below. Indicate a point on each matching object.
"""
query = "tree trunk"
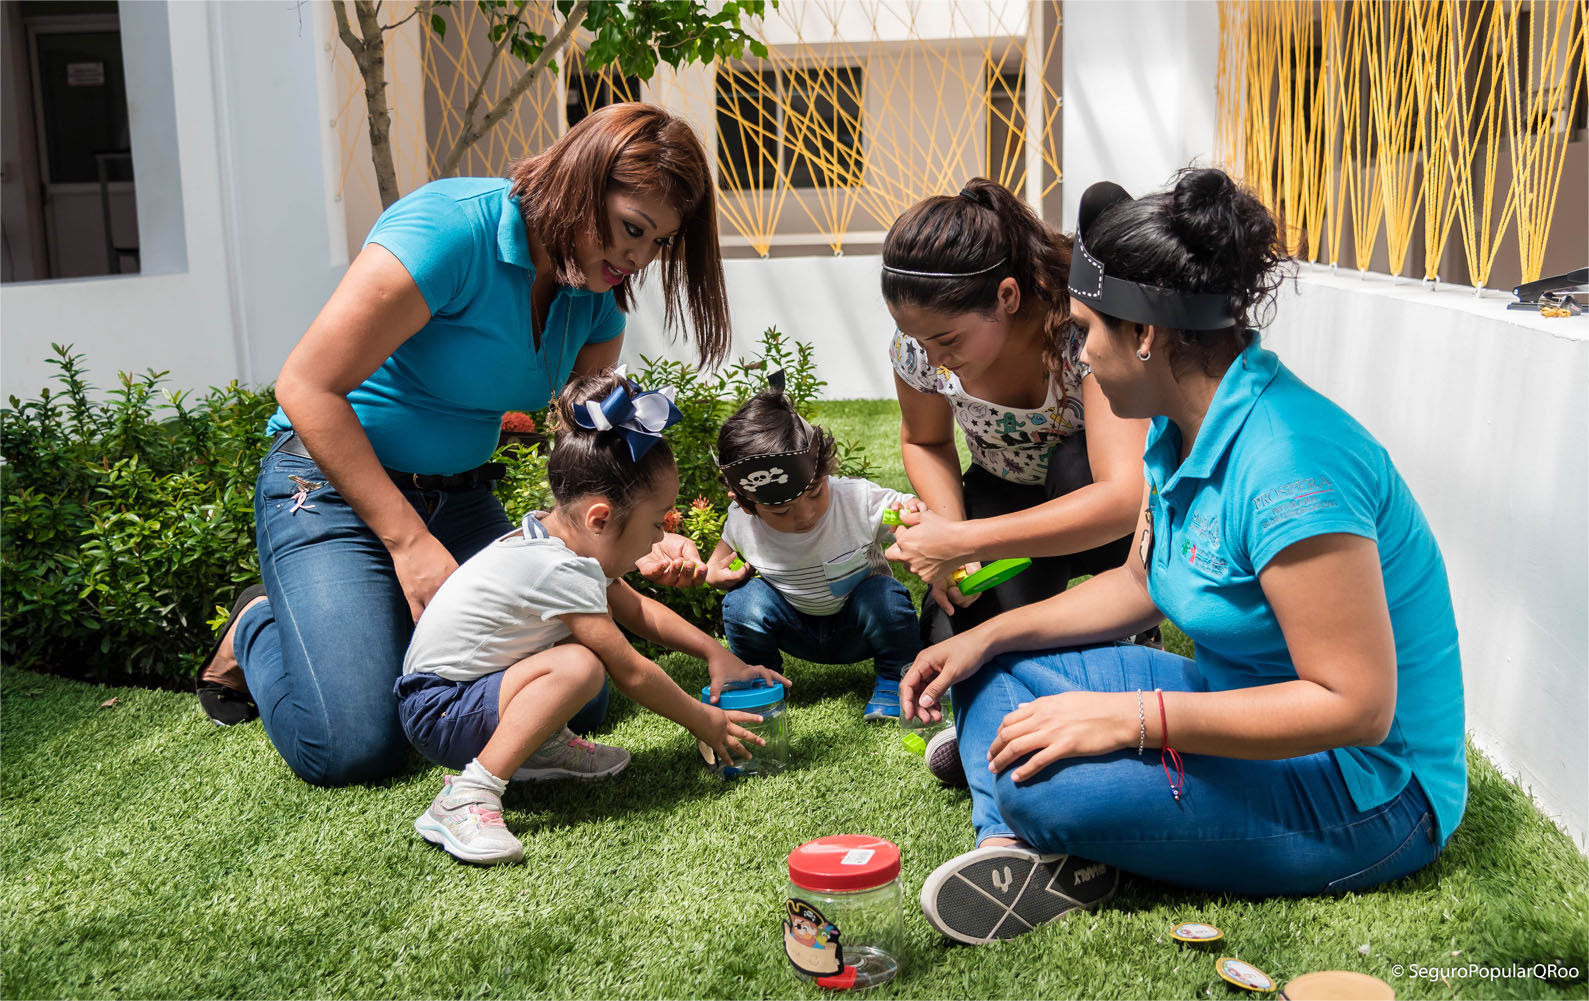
(369, 53)
(471, 132)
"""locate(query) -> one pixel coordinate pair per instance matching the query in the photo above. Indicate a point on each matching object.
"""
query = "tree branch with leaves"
(634, 37)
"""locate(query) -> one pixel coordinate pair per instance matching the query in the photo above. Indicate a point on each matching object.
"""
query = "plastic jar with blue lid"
(767, 701)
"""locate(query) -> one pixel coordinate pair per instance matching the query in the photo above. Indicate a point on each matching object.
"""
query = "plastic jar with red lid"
(843, 919)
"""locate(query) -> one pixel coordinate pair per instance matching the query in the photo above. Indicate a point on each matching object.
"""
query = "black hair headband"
(775, 478)
(1135, 301)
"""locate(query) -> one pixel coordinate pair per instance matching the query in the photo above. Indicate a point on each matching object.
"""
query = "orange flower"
(670, 521)
(700, 503)
(518, 422)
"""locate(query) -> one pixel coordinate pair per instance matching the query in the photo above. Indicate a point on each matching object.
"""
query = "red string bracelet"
(1178, 780)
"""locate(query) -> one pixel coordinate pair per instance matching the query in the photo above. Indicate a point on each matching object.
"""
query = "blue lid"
(747, 695)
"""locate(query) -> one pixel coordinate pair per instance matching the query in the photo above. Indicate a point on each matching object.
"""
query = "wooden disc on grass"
(1338, 985)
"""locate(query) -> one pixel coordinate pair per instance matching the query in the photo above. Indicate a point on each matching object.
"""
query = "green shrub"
(128, 521)
(125, 521)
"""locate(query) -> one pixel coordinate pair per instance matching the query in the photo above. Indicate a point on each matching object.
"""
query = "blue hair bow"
(639, 415)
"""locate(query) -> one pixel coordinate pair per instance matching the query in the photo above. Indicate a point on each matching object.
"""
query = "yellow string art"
(861, 108)
(1407, 118)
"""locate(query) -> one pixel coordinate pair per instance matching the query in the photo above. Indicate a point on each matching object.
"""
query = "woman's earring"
(1144, 355)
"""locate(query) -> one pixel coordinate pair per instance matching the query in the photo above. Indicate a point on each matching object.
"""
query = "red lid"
(844, 862)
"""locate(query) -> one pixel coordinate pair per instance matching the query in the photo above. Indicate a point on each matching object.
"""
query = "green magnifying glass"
(988, 577)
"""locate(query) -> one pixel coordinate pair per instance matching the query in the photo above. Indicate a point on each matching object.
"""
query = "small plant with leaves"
(126, 519)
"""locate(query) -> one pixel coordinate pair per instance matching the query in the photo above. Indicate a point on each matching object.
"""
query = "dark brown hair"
(768, 422)
(645, 150)
(967, 232)
(585, 462)
(1206, 234)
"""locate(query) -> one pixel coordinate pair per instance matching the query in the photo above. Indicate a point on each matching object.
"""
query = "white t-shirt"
(1012, 443)
(503, 605)
(815, 571)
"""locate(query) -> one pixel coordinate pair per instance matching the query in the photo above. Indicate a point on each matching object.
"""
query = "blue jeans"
(322, 652)
(1283, 827)
(878, 623)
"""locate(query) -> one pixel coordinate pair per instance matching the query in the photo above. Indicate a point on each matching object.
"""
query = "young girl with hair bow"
(525, 632)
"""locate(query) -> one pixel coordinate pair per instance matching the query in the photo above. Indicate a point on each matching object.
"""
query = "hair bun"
(1204, 213)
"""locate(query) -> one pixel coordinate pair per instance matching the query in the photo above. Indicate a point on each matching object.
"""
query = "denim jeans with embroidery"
(322, 652)
(877, 623)
(1248, 827)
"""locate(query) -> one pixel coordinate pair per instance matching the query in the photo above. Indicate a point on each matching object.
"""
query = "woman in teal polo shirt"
(1316, 742)
(471, 297)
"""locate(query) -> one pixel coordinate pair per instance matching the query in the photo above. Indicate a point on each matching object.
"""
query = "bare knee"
(578, 667)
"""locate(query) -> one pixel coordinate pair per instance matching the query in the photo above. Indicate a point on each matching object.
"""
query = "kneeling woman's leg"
(1285, 826)
(321, 654)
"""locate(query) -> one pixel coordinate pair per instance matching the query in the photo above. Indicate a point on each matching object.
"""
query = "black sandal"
(226, 706)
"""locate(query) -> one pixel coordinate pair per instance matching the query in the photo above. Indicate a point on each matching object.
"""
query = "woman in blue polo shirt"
(1316, 742)
(471, 297)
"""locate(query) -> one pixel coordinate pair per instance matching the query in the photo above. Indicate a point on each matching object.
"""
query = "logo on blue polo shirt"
(1200, 545)
(1295, 499)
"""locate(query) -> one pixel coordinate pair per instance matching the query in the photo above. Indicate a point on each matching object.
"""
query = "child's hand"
(903, 514)
(720, 730)
(725, 668)
(674, 562)
(948, 595)
(928, 544)
(719, 575)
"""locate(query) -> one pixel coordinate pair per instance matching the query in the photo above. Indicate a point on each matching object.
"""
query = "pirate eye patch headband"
(775, 478)
(1135, 301)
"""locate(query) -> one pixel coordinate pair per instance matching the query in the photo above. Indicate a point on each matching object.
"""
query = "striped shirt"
(815, 571)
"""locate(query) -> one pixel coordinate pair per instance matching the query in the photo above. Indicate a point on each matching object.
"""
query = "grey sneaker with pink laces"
(569, 756)
(467, 822)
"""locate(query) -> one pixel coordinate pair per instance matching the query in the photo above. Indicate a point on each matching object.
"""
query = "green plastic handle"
(738, 564)
(914, 743)
(891, 517)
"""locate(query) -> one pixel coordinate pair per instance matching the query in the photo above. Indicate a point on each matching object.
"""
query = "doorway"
(70, 197)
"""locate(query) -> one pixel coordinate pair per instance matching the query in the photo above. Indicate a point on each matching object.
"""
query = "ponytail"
(949, 254)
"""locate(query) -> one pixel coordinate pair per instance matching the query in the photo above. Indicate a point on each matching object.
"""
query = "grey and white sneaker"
(467, 823)
(943, 758)
(569, 756)
(989, 894)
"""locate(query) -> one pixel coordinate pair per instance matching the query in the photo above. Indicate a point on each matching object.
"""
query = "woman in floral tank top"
(976, 286)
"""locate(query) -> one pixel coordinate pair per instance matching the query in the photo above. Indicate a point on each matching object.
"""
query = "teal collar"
(1239, 389)
(513, 240)
(513, 243)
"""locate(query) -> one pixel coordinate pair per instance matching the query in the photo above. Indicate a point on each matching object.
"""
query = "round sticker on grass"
(1195, 931)
(1244, 975)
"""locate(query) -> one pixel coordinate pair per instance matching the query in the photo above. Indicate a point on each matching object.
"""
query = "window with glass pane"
(747, 128)
(822, 127)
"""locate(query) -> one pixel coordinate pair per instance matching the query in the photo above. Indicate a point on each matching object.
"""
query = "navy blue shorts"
(449, 721)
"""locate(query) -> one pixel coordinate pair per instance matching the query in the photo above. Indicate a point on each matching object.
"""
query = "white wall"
(832, 302)
(1483, 411)
(256, 257)
(1139, 93)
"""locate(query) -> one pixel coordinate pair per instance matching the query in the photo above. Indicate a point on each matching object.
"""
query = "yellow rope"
(1407, 116)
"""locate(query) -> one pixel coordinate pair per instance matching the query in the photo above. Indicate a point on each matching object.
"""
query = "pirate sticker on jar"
(811, 941)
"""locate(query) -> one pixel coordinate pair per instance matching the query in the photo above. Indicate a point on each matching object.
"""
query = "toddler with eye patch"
(814, 583)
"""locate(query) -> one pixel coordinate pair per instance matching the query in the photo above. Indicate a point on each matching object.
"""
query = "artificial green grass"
(147, 854)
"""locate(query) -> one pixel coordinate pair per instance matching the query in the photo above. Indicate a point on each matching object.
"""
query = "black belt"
(487, 473)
